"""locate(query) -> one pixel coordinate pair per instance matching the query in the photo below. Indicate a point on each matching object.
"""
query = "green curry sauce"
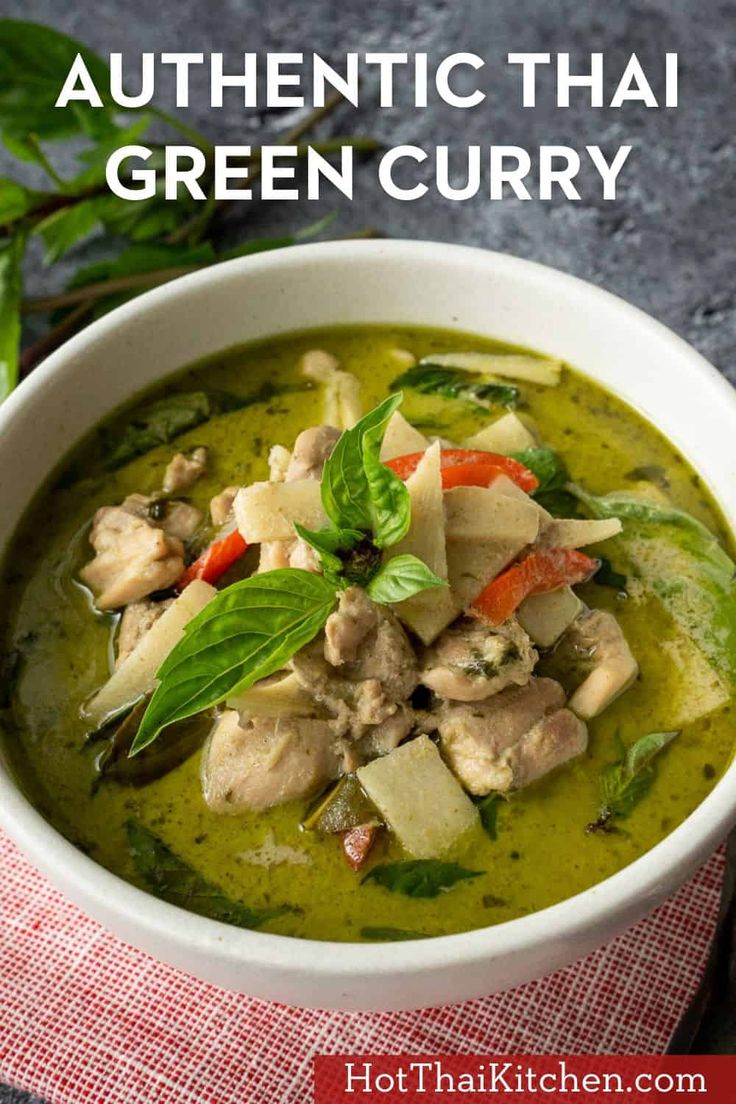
(59, 650)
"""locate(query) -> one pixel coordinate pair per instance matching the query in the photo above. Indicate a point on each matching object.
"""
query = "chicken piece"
(362, 668)
(137, 619)
(221, 506)
(379, 739)
(266, 762)
(177, 519)
(311, 449)
(510, 739)
(595, 646)
(133, 558)
(184, 471)
(470, 660)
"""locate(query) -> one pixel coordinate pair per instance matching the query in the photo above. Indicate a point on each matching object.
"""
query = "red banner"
(523, 1079)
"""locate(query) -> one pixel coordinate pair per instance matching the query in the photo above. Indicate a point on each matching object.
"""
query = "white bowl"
(355, 282)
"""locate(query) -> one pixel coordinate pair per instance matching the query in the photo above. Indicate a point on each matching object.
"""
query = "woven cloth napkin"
(85, 1019)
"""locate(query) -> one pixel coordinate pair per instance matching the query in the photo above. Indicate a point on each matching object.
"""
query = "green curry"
(528, 849)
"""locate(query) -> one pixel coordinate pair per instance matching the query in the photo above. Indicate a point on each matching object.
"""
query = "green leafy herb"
(607, 576)
(248, 631)
(547, 465)
(11, 255)
(682, 563)
(427, 379)
(175, 745)
(358, 491)
(161, 421)
(391, 935)
(174, 880)
(402, 577)
(488, 811)
(332, 546)
(420, 877)
(626, 782)
(35, 62)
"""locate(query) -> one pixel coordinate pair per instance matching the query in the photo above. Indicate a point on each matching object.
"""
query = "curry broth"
(542, 854)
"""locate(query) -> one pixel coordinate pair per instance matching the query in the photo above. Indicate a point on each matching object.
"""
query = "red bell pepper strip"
(469, 468)
(540, 571)
(357, 842)
(215, 560)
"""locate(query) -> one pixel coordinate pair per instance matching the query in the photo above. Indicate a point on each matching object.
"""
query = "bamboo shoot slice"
(428, 612)
(577, 532)
(419, 797)
(506, 435)
(530, 369)
(136, 675)
(401, 438)
(267, 511)
(546, 616)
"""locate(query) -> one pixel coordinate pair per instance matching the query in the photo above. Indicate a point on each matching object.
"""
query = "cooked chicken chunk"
(595, 645)
(221, 506)
(133, 558)
(267, 762)
(363, 666)
(184, 471)
(311, 449)
(177, 519)
(137, 619)
(471, 660)
(510, 739)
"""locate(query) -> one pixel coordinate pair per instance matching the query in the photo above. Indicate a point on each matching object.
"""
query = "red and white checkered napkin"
(85, 1019)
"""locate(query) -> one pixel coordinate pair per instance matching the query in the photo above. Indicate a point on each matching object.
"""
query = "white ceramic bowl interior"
(368, 282)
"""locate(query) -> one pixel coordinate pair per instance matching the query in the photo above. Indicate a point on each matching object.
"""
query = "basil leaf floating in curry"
(402, 577)
(420, 877)
(358, 491)
(175, 745)
(607, 576)
(174, 880)
(390, 935)
(426, 379)
(680, 562)
(248, 631)
(626, 782)
(488, 811)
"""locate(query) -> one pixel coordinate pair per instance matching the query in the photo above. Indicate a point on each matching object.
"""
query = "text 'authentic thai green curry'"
(370, 634)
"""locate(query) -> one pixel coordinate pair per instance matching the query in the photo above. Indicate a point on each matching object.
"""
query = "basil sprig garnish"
(252, 628)
(247, 632)
(358, 491)
(625, 782)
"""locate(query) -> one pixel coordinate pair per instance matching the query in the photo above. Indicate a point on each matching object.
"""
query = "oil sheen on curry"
(368, 634)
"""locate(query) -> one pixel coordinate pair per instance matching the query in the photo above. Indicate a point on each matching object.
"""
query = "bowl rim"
(678, 853)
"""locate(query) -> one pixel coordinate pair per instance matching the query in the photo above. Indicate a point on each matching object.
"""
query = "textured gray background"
(666, 244)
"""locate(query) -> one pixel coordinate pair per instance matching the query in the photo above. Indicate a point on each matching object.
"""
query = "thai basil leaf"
(161, 421)
(420, 877)
(547, 465)
(401, 577)
(174, 880)
(488, 811)
(68, 226)
(450, 383)
(329, 543)
(626, 782)
(15, 201)
(11, 290)
(247, 632)
(390, 935)
(34, 62)
(682, 563)
(358, 491)
(175, 745)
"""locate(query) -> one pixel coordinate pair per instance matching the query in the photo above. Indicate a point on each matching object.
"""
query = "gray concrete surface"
(666, 244)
